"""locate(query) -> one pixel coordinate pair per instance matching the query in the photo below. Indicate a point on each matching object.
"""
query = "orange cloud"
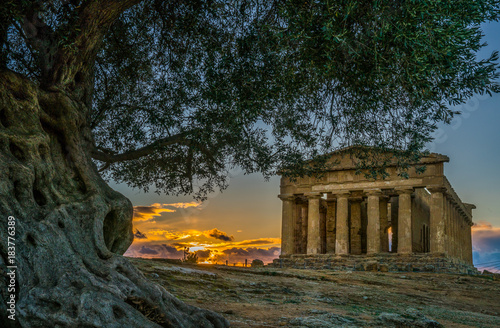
(260, 242)
(146, 213)
(217, 234)
(154, 240)
(184, 205)
(166, 235)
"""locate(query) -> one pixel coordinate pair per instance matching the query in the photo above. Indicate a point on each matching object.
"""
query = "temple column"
(437, 219)
(451, 228)
(313, 224)
(356, 225)
(303, 241)
(287, 225)
(384, 225)
(469, 244)
(447, 237)
(330, 224)
(455, 231)
(462, 239)
(373, 228)
(297, 228)
(453, 251)
(342, 226)
(404, 221)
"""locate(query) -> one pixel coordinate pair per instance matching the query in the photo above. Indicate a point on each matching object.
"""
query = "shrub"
(257, 263)
(191, 258)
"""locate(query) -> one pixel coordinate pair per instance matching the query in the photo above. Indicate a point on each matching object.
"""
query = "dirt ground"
(269, 297)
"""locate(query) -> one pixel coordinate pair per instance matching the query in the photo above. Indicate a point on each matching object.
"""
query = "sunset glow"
(157, 237)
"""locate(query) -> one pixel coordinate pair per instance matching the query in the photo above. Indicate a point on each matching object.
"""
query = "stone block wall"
(386, 262)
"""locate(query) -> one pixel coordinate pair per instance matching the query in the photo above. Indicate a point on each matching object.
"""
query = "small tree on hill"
(191, 258)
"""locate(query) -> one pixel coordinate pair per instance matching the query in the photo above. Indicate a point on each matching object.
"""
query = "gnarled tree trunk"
(70, 227)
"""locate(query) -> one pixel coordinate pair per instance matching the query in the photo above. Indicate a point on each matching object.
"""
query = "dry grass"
(268, 297)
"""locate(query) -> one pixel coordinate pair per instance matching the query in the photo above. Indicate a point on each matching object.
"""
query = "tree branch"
(108, 156)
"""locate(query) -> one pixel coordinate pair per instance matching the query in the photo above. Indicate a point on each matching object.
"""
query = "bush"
(191, 258)
(257, 263)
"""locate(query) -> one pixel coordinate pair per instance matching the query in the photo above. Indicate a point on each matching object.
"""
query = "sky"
(244, 221)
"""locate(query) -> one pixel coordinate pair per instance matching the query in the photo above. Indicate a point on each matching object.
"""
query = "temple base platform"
(382, 262)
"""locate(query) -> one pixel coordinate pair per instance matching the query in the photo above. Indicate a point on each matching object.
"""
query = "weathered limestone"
(297, 227)
(456, 239)
(437, 219)
(355, 225)
(423, 213)
(342, 227)
(313, 225)
(373, 229)
(462, 237)
(330, 224)
(287, 228)
(404, 221)
(448, 228)
(469, 243)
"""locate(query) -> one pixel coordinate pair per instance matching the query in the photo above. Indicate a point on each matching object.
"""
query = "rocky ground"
(269, 297)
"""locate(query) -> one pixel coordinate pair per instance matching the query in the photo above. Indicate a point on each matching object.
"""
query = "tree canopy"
(178, 92)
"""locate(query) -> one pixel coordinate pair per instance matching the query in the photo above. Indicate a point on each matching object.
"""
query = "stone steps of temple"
(378, 262)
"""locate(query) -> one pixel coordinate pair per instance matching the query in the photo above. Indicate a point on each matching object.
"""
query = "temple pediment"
(346, 159)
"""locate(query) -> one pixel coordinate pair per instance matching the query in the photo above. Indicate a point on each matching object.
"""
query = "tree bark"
(70, 226)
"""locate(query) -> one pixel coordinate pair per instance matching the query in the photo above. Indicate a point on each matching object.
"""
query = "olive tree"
(170, 95)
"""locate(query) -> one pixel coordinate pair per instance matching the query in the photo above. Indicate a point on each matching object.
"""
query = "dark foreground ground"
(268, 297)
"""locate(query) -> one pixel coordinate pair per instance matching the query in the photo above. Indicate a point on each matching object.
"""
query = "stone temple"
(345, 221)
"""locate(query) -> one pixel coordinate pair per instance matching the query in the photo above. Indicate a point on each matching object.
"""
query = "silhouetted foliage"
(191, 258)
(182, 91)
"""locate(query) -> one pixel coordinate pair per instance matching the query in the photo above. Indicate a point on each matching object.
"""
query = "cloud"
(253, 251)
(485, 237)
(171, 249)
(146, 213)
(217, 234)
(139, 235)
(236, 251)
(184, 205)
(203, 254)
(182, 245)
(154, 250)
(239, 255)
(486, 246)
(174, 235)
(147, 251)
(260, 241)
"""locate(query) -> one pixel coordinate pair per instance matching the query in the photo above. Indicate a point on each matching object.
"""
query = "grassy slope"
(267, 297)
